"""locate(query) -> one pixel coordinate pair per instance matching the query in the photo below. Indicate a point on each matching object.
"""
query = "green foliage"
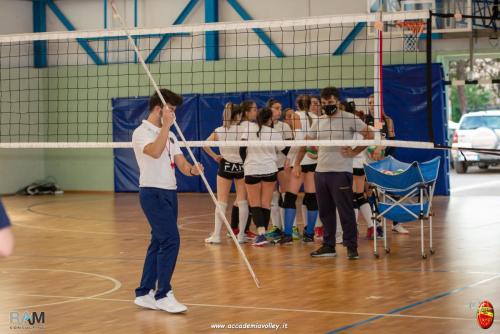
(476, 96)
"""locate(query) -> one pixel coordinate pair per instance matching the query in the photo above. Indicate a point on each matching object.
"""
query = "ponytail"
(304, 103)
(263, 117)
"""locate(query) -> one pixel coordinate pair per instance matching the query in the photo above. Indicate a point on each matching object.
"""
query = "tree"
(473, 97)
(476, 96)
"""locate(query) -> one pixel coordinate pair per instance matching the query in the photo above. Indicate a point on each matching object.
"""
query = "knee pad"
(310, 202)
(281, 203)
(360, 199)
(235, 216)
(266, 217)
(355, 201)
(257, 215)
(289, 202)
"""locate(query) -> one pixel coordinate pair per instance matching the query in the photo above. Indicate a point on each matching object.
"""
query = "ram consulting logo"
(27, 320)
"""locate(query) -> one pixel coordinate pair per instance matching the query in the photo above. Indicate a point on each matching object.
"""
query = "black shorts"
(358, 171)
(254, 179)
(308, 168)
(230, 170)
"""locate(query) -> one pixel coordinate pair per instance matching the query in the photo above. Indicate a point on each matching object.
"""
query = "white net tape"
(223, 26)
(250, 143)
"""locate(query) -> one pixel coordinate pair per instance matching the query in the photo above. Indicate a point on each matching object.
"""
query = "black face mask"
(330, 109)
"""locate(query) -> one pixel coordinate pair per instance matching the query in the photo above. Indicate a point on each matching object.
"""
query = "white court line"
(117, 285)
(101, 233)
(474, 186)
(278, 309)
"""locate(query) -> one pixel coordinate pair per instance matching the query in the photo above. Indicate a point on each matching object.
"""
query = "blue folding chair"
(403, 193)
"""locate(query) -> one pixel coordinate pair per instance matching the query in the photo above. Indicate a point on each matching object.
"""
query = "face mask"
(330, 109)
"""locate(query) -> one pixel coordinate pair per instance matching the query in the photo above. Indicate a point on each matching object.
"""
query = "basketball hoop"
(411, 32)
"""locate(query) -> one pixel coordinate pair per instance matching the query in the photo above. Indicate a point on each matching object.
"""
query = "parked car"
(480, 129)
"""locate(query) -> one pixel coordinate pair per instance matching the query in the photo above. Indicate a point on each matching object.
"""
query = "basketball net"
(411, 33)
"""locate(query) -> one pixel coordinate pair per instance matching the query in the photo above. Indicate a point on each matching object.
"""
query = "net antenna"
(222, 214)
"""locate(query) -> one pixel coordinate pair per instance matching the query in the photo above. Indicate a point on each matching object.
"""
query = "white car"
(479, 129)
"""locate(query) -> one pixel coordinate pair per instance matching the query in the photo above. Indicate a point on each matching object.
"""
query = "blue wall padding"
(261, 98)
(404, 100)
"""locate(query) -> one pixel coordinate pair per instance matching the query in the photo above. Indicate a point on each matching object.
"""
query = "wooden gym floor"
(79, 258)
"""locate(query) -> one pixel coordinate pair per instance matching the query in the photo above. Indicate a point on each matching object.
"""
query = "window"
(474, 122)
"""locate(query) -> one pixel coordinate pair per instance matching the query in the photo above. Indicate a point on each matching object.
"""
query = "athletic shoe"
(318, 232)
(260, 241)
(235, 231)
(147, 301)
(285, 240)
(380, 232)
(274, 233)
(277, 236)
(352, 253)
(398, 228)
(295, 233)
(212, 240)
(339, 239)
(241, 239)
(369, 233)
(307, 237)
(250, 235)
(170, 304)
(324, 251)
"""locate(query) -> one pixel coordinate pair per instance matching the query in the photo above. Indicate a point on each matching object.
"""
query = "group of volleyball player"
(268, 179)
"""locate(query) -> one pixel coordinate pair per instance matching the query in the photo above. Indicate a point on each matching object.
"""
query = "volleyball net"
(61, 89)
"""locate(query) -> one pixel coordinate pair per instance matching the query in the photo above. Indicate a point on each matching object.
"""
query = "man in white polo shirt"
(158, 154)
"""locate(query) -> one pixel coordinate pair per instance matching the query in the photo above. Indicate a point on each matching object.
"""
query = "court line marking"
(317, 265)
(410, 306)
(394, 315)
(100, 233)
(45, 214)
(116, 285)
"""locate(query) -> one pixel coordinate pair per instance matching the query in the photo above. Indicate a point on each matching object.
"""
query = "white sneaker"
(147, 301)
(398, 228)
(213, 239)
(242, 239)
(339, 238)
(170, 304)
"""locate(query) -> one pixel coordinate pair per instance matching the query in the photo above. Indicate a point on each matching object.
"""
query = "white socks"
(219, 220)
(242, 218)
(366, 213)
(275, 210)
